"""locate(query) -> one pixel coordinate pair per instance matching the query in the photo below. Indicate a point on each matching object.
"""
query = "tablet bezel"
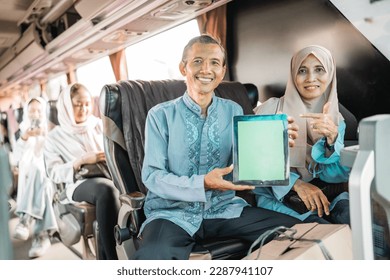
(261, 182)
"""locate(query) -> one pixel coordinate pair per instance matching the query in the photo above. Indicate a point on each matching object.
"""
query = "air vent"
(180, 9)
(89, 53)
(122, 36)
(198, 3)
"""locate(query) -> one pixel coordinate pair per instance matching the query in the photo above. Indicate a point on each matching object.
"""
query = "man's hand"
(214, 180)
(312, 196)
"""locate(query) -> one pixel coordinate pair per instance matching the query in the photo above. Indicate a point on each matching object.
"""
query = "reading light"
(122, 36)
(88, 53)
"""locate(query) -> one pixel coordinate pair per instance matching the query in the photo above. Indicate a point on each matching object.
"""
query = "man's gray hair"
(202, 39)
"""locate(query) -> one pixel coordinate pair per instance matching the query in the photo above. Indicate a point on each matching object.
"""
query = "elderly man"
(188, 153)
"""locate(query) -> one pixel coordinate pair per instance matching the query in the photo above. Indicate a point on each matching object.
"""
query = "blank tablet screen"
(260, 150)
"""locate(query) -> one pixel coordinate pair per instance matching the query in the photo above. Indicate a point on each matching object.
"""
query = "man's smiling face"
(204, 69)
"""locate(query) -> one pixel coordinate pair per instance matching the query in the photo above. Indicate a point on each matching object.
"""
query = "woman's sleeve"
(265, 198)
(20, 147)
(57, 170)
(328, 159)
(278, 192)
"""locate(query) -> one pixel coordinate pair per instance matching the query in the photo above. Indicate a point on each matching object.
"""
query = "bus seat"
(253, 93)
(76, 220)
(18, 113)
(52, 115)
(51, 112)
(12, 125)
(5, 143)
(124, 107)
(351, 130)
(18, 116)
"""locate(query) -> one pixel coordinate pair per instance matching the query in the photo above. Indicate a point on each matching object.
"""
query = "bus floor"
(57, 250)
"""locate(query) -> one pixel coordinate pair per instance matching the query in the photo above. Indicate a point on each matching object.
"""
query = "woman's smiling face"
(312, 79)
(82, 105)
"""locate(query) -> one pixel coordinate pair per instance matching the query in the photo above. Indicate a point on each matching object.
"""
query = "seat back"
(253, 94)
(18, 113)
(51, 113)
(351, 130)
(124, 108)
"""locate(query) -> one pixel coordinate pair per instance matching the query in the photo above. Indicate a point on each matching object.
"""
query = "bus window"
(96, 74)
(35, 90)
(54, 86)
(145, 60)
(159, 56)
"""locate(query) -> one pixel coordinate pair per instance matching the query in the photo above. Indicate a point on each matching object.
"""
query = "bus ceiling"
(39, 38)
(371, 18)
(43, 38)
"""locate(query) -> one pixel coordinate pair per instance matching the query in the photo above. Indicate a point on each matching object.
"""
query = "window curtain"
(71, 75)
(214, 24)
(119, 65)
(43, 86)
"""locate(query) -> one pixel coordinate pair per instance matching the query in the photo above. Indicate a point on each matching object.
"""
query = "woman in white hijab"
(35, 192)
(317, 179)
(78, 140)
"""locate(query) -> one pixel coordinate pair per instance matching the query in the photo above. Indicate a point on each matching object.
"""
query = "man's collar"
(193, 106)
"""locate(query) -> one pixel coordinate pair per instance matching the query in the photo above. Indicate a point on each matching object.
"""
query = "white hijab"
(293, 104)
(38, 141)
(68, 123)
(26, 122)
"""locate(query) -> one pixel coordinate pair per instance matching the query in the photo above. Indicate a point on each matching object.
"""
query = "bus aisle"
(57, 250)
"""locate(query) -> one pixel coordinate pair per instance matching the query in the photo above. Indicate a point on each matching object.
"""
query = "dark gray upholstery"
(51, 112)
(351, 130)
(18, 112)
(253, 94)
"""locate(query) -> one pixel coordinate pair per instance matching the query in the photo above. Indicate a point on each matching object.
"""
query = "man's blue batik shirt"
(181, 147)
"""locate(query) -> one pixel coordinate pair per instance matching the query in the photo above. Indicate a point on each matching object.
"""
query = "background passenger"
(188, 156)
(35, 190)
(317, 181)
(4, 140)
(76, 141)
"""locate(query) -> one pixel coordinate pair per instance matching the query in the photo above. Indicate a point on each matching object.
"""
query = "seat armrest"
(134, 200)
(131, 209)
